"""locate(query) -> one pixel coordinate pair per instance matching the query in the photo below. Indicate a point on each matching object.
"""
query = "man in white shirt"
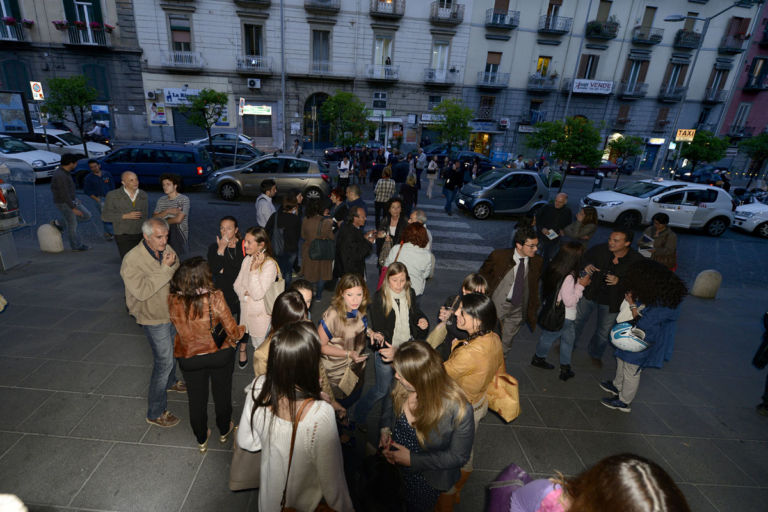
(126, 208)
(519, 163)
(264, 206)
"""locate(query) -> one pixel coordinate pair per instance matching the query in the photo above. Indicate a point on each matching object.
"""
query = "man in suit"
(352, 245)
(513, 284)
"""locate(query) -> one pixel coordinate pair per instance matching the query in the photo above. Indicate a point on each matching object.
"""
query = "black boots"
(566, 372)
(540, 362)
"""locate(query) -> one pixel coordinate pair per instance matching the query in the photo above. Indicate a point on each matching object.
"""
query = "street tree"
(706, 147)
(347, 117)
(625, 147)
(757, 150)
(70, 99)
(573, 141)
(205, 109)
(453, 126)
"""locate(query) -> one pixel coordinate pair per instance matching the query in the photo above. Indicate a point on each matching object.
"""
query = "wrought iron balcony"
(740, 131)
(254, 3)
(320, 67)
(713, 95)
(731, 45)
(434, 76)
(323, 6)
(631, 90)
(485, 112)
(756, 83)
(687, 39)
(502, 19)
(492, 80)
(183, 60)
(531, 116)
(555, 25)
(11, 32)
(538, 83)
(382, 73)
(87, 36)
(671, 93)
(387, 8)
(602, 29)
(647, 35)
(254, 64)
(449, 15)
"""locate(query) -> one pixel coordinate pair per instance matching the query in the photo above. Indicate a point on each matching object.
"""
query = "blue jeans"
(96, 207)
(70, 222)
(380, 389)
(567, 336)
(450, 196)
(286, 261)
(160, 339)
(605, 322)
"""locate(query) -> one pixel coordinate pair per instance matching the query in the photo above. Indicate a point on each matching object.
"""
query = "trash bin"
(598, 183)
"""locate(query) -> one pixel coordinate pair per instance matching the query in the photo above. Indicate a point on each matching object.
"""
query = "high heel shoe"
(223, 438)
(204, 446)
(242, 364)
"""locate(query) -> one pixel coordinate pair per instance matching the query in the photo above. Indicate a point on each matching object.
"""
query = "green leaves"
(626, 146)
(574, 141)
(205, 109)
(706, 147)
(454, 127)
(348, 118)
(70, 99)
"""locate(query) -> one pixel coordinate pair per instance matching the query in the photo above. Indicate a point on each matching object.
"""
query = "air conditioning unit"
(151, 95)
(254, 83)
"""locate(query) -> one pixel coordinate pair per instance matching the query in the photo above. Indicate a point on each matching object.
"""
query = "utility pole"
(282, 70)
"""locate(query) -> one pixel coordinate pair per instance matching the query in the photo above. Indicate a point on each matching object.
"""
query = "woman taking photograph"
(225, 257)
(394, 319)
(583, 228)
(196, 307)
(342, 332)
(392, 225)
(316, 226)
(561, 277)
(414, 254)
(660, 241)
(473, 283)
(285, 418)
(428, 430)
(257, 274)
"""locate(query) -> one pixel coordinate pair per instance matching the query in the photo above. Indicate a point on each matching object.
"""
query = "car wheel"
(716, 226)
(481, 211)
(628, 220)
(762, 230)
(228, 191)
(313, 193)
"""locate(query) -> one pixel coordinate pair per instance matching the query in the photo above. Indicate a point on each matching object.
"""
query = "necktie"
(519, 286)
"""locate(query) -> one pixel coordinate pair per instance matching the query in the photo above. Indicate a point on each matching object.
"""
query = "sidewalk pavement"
(74, 370)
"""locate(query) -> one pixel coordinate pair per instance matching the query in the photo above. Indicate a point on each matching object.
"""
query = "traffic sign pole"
(38, 95)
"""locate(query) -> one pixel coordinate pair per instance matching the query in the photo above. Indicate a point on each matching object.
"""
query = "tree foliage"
(625, 147)
(205, 109)
(454, 121)
(347, 117)
(706, 147)
(757, 149)
(70, 99)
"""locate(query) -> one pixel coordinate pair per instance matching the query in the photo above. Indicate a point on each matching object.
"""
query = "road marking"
(465, 265)
(447, 224)
(456, 234)
(462, 248)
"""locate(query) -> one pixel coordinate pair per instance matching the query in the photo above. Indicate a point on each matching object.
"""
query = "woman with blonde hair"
(428, 431)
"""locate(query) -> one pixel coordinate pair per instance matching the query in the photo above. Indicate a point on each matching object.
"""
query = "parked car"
(43, 162)
(468, 157)
(225, 137)
(223, 153)
(310, 177)
(64, 142)
(10, 214)
(606, 167)
(192, 163)
(501, 190)
(753, 217)
(704, 174)
(336, 153)
(688, 205)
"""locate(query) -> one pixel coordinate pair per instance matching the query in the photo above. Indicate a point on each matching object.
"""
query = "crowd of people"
(308, 404)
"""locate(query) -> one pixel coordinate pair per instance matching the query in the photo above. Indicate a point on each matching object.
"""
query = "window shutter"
(681, 76)
(743, 27)
(501, 6)
(582, 67)
(556, 2)
(662, 115)
(593, 68)
(69, 10)
(711, 78)
(16, 76)
(623, 112)
(627, 70)
(643, 71)
(97, 15)
(667, 74)
(723, 79)
(493, 58)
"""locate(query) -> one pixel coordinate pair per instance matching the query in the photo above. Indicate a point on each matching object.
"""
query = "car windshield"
(641, 189)
(70, 139)
(488, 178)
(10, 146)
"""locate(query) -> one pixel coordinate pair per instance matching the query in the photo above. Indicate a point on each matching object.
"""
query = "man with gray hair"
(420, 216)
(126, 208)
(147, 270)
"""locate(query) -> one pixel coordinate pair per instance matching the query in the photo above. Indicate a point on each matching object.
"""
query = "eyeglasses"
(531, 245)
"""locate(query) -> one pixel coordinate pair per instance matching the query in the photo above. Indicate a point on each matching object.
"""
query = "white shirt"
(264, 209)
(131, 197)
(517, 258)
(344, 169)
(419, 262)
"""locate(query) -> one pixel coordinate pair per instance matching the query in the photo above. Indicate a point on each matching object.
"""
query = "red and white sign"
(37, 91)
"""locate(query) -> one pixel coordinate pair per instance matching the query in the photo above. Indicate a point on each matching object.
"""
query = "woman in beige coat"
(316, 226)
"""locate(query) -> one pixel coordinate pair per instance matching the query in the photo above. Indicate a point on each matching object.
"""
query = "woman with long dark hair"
(316, 226)
(289, 307)
(660, 291)
(196, 306)
(306, 466)
(561, 281)
(584, 227)
(391, 227)
(473, 283)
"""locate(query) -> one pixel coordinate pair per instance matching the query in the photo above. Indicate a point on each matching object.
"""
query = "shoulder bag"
(552, 315)
(383, 272)
(504, 395)
(218, 333)
(245, 470)
(278, 237)
(437, 336)
(273, 291)
(320, 248)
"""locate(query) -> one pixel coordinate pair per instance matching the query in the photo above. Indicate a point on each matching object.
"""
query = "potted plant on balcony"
(9, 20)
(60, 24)
(80, 25)
(594, 28)
(108, 28)
(27, 23)
(95, 25)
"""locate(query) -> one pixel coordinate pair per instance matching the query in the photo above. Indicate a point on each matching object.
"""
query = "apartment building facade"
(618, 63)
(60, 38)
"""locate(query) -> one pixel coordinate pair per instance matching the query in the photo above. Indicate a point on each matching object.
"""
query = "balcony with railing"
(391, 9)
(492, 80)
(687, 39)
(183, 60)
(713, 95)
(732, 45)
(11, 32)
(671, 93)
(736, 131)
(506, 20)
(87, 37)
(647, 35)
(254, 64)
(542, 84)
(660, 125)
(485, 112)
(632, 90)
(320, 67)
(555, 25)
(381, 73)
(434, 76)
(262, 4)
(602, 30)
(442, 14)
(322, 6)
(532, 116)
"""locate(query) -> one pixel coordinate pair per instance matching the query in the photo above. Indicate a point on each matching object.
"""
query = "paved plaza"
(74, 371)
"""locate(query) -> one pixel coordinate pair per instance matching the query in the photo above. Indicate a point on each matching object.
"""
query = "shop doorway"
(317, 132)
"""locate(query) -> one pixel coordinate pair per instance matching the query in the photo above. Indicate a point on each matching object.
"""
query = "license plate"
(461, 201)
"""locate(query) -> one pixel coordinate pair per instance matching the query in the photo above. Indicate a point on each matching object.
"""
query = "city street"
(74, 370)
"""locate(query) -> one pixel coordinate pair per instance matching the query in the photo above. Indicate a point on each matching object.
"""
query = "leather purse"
(321, 248)
(383, 273)
(504, 395)
(552, 315)
(245, 470)
(273, 291)
(218, 333)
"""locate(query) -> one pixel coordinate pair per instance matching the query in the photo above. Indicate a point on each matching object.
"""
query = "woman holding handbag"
(561, 283)
(285, 417)
(395, 318)
(258, 274)
(206, 334)
(315, 226)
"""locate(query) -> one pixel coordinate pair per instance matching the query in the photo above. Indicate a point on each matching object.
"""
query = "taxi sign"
(37, 91)
(685, 135)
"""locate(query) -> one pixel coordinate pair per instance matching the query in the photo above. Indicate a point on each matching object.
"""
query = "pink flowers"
(27, 23)
(9, 20)
(60, 24)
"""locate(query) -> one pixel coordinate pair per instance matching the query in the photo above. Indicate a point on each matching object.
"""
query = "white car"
(225, 137)
(753, 217)
(64, 142)
(43, 162)
(688, 205)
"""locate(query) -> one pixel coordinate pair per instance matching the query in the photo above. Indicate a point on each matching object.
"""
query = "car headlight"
(612, 203)
(38, 163)
(746, 215)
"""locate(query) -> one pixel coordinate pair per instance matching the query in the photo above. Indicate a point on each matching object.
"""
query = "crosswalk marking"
(462, 248)
(471, 235)
(447, 224)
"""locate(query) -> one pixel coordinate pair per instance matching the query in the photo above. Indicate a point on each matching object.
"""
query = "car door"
(119, 161)
(673, 204)
(294, 176)
(152, 163)
(705, 201)
(261, 170)
(514, 192)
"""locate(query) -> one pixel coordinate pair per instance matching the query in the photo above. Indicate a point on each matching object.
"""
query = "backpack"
(278, 237)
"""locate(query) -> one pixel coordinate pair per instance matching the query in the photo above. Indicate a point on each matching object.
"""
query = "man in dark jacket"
(608, 265)
(72, 210)
(551, 220)
(352, 246)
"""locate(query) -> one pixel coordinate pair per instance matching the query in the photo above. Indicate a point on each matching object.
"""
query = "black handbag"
(218, 333)
(552, 314)
(321, 249)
